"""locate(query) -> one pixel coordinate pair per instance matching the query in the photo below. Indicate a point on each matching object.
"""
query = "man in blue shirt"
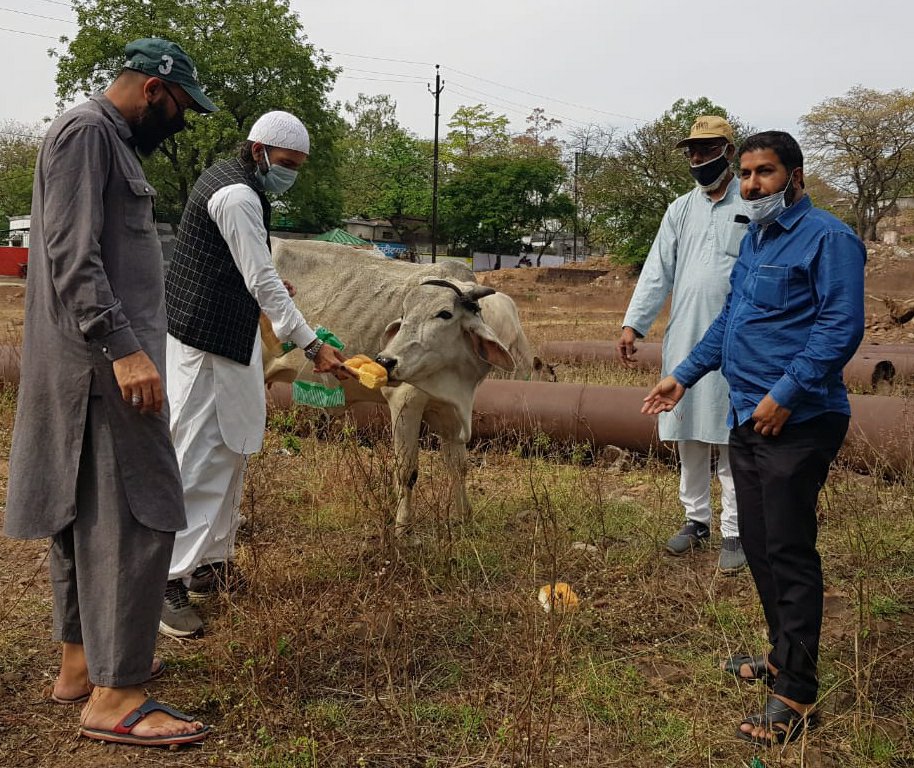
(792, 320)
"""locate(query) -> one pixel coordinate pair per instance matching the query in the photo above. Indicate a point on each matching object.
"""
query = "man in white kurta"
(221, 278)
(691, 257)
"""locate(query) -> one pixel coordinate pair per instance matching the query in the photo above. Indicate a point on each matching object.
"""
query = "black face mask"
(154, 126)
(709, 172)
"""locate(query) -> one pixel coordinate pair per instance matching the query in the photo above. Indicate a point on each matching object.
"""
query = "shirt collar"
(113, 114)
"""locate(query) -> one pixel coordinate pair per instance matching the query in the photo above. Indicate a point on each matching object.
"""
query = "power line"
(548, 98)
(379, 58)
(36, 15)
(381, 79)
(496, 83)
(376, 72)
(32, 34)
(498, 101)
(57, 2)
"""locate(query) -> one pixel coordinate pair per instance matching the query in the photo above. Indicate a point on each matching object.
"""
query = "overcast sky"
(612, 62)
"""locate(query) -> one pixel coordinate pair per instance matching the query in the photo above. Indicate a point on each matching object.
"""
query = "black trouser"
(777, 485)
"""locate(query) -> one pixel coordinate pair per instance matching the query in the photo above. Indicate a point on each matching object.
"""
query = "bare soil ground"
(346, 651)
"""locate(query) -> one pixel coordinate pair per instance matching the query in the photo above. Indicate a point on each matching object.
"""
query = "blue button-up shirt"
(792, 320)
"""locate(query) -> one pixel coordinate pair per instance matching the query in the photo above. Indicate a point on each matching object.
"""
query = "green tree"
(474, 131)
(537, 140)
(863, 144)
(645, 174)
(489, 203)
(19, 145)
(385, 171)
(587, 152)
(251, 56)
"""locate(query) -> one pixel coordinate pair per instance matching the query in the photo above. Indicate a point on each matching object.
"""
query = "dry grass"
(348, 651)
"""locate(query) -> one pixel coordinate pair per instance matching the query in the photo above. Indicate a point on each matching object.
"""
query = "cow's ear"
(489, 348)
(390, 331)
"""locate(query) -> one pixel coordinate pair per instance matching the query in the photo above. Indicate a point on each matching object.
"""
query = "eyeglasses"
(181, 108)
(706, 151)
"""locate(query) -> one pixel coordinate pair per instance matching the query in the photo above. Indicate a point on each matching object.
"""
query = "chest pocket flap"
(139, 207)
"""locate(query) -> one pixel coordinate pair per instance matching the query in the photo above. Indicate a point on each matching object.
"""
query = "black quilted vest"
(208, 305)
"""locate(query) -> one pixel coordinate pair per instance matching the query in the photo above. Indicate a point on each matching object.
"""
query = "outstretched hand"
(663, 397)
(330, 360)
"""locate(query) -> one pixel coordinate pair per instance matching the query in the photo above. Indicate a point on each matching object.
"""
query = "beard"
(154, 126)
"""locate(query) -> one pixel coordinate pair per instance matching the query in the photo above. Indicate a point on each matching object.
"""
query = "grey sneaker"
(691, 536)
(179, 619)
(732, 558)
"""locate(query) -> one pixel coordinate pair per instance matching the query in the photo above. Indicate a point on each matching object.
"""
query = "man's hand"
(140, 383)
(663, 397)
(769, 417)
(290, 288)
(330, 360)
(626, 346)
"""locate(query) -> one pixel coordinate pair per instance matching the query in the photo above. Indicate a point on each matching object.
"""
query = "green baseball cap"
(166, 60)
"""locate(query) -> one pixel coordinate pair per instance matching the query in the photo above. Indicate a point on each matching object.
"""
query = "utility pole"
(574, 240)
(439, 86)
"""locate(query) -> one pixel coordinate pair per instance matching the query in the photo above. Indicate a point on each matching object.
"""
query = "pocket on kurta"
(734, 237)
(139, 205)
(770, 287)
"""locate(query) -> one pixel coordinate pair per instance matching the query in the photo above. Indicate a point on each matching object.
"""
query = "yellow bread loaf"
(371, 374)
(562, 598)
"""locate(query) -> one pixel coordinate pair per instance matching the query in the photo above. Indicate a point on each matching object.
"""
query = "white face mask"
(276, 179)
(765, 210)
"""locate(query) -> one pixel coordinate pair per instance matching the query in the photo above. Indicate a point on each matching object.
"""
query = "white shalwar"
(218, 406)
(691, 257)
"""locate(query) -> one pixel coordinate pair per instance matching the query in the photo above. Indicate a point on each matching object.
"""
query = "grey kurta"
(691, 257)
(94, 294)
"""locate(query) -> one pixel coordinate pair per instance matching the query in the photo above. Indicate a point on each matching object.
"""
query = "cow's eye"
(444, 315)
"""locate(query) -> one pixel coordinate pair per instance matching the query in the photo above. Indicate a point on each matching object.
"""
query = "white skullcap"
(281, 129)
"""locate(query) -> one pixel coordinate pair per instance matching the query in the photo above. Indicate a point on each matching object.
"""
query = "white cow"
(431, 326)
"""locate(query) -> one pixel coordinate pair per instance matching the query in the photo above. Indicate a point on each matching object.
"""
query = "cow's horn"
(443, 284)
(478, 292)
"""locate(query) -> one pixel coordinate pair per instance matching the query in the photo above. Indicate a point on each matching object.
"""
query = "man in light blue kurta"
(691, 257)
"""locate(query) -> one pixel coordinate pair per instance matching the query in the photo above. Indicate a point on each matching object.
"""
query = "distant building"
(18, 235)
(406, 235)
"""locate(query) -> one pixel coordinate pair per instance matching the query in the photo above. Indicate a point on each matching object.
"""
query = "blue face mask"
(276, 179)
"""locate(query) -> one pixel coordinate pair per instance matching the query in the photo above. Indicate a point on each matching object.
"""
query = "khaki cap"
(708, 127)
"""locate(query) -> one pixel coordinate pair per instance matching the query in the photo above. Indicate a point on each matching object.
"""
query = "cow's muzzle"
(389, 364)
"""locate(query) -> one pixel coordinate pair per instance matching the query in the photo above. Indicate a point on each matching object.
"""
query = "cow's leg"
(406, 418)
(455, 459)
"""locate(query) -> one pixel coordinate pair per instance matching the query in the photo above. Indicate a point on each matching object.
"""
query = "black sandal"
(777, 714)
(757, 664)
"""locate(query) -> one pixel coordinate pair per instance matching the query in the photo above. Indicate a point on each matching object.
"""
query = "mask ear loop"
(712, 160)
(789, 191)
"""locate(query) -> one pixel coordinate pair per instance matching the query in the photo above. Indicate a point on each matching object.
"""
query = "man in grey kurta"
(691, 257)
(91, 464)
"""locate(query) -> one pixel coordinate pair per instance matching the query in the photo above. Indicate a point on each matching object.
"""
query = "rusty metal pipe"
(870, 366)
(880, 438)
